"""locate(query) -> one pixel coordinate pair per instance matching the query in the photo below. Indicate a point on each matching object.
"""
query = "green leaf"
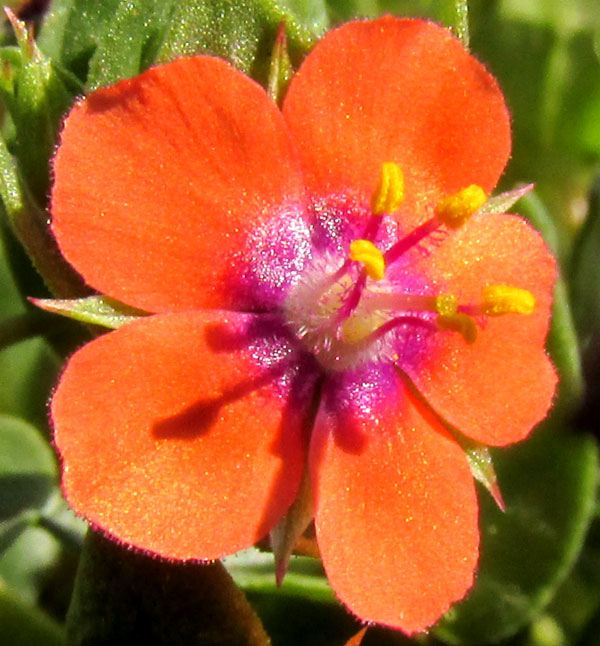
(95, 310)
(27, 563)
(121, 51)
(27, 369)
(24, 625)
(563, 343)
(27, 477)
(584, 274)
(549, 485)
(72, 30)
(544, 54)
(311, 13)
(123, 597)
(242, 32)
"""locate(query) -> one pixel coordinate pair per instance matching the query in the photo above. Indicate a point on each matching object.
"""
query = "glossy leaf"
(27, 477)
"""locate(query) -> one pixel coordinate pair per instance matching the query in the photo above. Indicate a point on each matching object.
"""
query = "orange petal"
(395, 511)
(403, 91)
(174, 440)
(159, 179)
(496, 389)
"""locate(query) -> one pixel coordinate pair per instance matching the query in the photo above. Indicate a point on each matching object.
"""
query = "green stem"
(123, 596)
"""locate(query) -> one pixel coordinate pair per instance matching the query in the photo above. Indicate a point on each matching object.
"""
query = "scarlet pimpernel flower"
(326, 295)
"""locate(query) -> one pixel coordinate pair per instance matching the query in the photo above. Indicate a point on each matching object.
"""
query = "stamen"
(389, 192)
(504, 299)
(446, 304)
(365, 252)
(456, 209)
(459, 322)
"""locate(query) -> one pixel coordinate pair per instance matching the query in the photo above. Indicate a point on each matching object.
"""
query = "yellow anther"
(389, 193)
(446, 304)
(456, 209)
(365, 252)
(461, 323)
(504, 299)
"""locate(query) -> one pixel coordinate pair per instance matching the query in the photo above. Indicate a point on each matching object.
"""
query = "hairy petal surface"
(404, 91)
(496, 389)
(395, 503)
(178, 437)
(159, 179)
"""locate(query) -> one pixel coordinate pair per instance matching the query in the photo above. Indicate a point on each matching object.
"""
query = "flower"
(324, 290)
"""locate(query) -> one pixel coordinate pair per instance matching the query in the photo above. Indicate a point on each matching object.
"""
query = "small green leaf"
(549, 485)
(27, 477)
(95, 310)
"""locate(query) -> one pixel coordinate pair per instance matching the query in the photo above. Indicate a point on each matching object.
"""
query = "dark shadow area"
(106, 99)
(20, 492)
(348, 434)
(198, 418)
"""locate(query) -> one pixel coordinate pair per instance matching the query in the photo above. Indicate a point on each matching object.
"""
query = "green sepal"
(29, 224)
(40, 100)
(482, 467)
(280, 69)
(503, 202)
(93, 310)
(288, 530)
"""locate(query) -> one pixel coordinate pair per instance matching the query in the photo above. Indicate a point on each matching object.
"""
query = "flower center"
(350, 310)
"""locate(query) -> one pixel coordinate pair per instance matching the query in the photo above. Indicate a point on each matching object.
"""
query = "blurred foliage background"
(539, 579)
